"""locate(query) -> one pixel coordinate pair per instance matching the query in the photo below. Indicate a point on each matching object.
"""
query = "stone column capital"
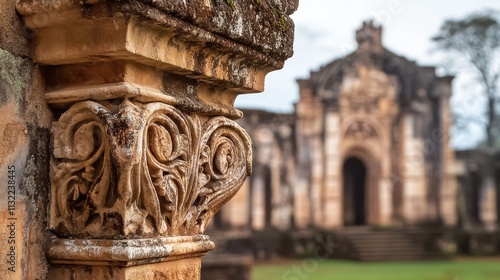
(145, 150)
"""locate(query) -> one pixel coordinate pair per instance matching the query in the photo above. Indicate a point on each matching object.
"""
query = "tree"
(476, 41)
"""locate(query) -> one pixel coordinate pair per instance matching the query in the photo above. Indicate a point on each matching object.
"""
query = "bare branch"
(476, 39)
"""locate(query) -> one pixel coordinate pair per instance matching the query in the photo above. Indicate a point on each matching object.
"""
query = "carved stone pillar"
(144, 148)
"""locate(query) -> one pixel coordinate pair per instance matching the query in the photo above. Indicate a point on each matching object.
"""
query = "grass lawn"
(462, 269)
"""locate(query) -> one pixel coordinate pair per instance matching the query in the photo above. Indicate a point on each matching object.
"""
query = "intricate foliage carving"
(360, 102)
(142, 169)
(360, 130)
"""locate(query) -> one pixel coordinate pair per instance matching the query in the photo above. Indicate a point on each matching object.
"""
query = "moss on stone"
(15, 72)
(282, 22)
(29, 182)
(231, 4)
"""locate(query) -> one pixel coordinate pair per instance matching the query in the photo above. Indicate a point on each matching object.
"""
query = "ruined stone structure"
(478, 201)
(119, 143)
(272, 189)
(367, 145)
(372, 137)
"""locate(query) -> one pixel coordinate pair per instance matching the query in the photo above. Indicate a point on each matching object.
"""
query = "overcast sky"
(324, 30)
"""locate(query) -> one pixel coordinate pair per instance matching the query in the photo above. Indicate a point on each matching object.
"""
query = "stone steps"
(385, 245)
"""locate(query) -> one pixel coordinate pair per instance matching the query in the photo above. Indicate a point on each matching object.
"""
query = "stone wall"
(24, 152)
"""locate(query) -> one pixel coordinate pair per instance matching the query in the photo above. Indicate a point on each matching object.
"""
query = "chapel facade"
(367, 144)
(372, 138)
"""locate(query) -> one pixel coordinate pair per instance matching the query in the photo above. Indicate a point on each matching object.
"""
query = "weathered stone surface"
(172, 270)
(144, 150)
(142, 170)
(264, 25)
(13, 36)
(131, 252)
(66, 33)
(24, 137)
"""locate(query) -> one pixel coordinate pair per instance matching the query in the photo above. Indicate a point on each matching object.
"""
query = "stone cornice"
(262, 25)
(169, 40)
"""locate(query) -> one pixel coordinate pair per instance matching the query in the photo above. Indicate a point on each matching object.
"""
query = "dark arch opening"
(354, 173)
(268, 197)
(474, 197)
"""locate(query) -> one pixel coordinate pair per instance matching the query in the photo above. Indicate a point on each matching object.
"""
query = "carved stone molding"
(134, 169)
(123, 253)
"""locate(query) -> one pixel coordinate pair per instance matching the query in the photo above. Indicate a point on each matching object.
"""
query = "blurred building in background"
(372, 137)
(365, 157)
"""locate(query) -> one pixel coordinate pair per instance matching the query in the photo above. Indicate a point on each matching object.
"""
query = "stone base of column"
(135, 259)
(172, 270)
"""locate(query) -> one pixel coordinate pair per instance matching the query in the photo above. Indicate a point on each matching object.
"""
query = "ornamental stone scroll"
(137, 169)
(145, 149)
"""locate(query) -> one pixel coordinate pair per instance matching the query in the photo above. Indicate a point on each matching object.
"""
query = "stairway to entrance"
(369, 244)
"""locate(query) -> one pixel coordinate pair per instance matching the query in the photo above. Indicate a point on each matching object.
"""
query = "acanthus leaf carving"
(224, 164)
(142, 169)
(78, 138)
(170, 141)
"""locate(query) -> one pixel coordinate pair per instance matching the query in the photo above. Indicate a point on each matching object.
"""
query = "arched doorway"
(475, 197)
(354, 180)
(268, 197)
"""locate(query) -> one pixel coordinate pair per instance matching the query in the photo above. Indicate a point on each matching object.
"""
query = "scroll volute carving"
(138, 169)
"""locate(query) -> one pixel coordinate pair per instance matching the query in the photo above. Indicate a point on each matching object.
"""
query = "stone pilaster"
(144, 147)
(448, 188)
